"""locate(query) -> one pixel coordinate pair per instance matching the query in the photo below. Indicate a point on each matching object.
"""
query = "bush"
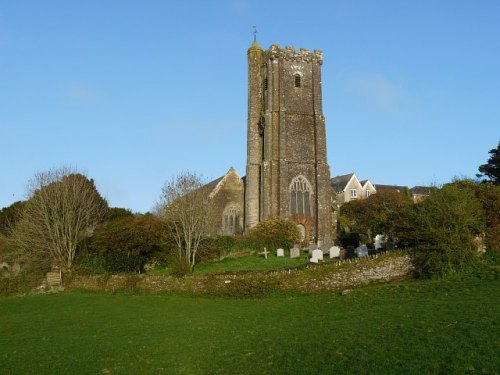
(442, 231)
(125, 244)
(23, 282)
(350, 239)
(275, 233)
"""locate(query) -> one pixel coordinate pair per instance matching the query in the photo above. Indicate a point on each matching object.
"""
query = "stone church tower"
(287, 172)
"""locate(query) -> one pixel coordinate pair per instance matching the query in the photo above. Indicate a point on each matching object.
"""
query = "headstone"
(280, 252)
(361, 251)
(318, 254)
(334, 252)
(265, 253)
(295, 251)
(314, 260)
(379, 241)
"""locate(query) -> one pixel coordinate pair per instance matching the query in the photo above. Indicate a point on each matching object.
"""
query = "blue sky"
(135, 92)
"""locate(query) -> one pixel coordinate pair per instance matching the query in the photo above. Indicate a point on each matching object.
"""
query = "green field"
(448, 326)
(246, 262)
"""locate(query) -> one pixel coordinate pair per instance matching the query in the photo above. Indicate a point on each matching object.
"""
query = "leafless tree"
(63, 208)
(186, 207)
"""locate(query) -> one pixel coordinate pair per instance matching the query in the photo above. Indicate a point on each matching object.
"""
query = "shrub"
(442, 230)
(276, 232)
(350, 239)
(23, 282)
(126, 243)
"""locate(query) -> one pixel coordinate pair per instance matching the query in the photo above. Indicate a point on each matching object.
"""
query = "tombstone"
(361, 251)
(344, 254)
(318, 254)
(295, 251)
(379, 241)
(280, 253)
(265, 253)
(334, 252)
(314, 260)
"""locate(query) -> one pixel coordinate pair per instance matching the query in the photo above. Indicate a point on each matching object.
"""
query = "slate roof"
(421, 190)
(338, 183)
(212, 184)
(397, 188)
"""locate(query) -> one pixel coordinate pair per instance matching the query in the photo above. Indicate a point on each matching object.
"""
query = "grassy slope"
(414, 327)
(251, 262)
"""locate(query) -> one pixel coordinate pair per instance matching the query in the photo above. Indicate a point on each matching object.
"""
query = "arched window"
(300, 196)
(231, 220)
(298, 80)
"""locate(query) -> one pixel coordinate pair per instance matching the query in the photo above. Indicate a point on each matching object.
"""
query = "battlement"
(289, 53)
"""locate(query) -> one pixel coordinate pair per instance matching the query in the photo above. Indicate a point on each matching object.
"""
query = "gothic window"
(232, 222)
(298, 79)
(300, 196)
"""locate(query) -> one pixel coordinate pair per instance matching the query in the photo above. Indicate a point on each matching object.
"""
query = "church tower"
(287, 171)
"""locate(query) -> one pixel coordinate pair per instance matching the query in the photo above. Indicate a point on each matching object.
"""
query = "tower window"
(265, 84)
(300, 196)
(298, 80)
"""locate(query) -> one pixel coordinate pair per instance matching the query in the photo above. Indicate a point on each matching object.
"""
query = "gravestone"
(318, 254)
(379, 241)
(361, 251)
(334, 252)
(280, 253)
(314, 260)
(295, 251)
(265, 253)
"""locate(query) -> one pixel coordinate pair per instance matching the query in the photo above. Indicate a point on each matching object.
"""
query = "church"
(287, 173)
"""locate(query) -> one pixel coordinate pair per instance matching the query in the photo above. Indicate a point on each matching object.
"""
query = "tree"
(186, 207)
(442, 230)
(492, 167)
(373, 215)
(63, 208)
(10, 215)
(126, 243)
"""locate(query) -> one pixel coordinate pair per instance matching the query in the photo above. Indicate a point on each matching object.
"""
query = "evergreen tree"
(492, 168)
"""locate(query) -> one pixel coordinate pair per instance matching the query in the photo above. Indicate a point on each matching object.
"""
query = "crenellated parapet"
(291, 54)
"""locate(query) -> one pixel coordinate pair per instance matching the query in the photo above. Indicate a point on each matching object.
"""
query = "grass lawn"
(449, 326)
(251, 262)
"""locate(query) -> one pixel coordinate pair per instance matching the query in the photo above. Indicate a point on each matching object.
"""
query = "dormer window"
(298, 79)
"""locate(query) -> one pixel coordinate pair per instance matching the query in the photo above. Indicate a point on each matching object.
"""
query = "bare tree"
(186, 207)
(63, 208)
